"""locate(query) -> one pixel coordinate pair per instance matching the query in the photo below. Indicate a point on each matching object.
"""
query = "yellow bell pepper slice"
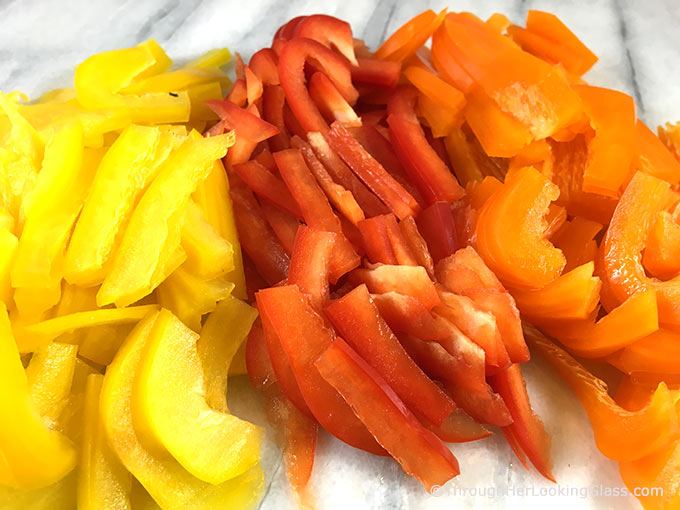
(174, 81)
(33, 303)
(71, 419)
(213, 59)
(49, 376)
(30, 338)
(209, 255)
(100, 344)
(190, 297)
(8, 246)
(198, 95)
(212, 196)
(153, 232)
(100, 79)
(169, 405)
(221, 336)
(31, 455)
(22, 156)
(142, 500)
(172, 486)
(58, 496)
(103, 482)
(140, 151)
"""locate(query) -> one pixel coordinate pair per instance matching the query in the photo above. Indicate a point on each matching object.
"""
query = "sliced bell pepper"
(254, 87)
(8, 246)
(330, 102)
(103, 482)
(376, 72)
(291, 72)
(655, 353)
(465, 272)
(446, 96)
(417, 244)
(445, 62)
(510, 231)
(556, 217)
(435, 223)
(329, 31)
(267, 185)
(479, 325)
(550, 27)
(661, 257)
(635, 319)
(315, 209)
(287, 31)
(358, 320)
(459, 427)
(297, 432)
(133, 274)
(162, 476)
(410, 37)
(526, 428)
(419, 451)
(573, 295)
(44, 456)
(409, 280)
(264, 64)
(400, 246)
(342, 199)
(576, 239)
(440, 121)
(342, 174)
(305, 337)
(376, 241)
(433, 178)
(468, 159)
(257, 239)
(273, 102)
(611, 150)
(625, 240)
(283, 224)
(310, 264)
(619, 434)
(238, 94)
(211, 59)
(168, 416)
(371, 172)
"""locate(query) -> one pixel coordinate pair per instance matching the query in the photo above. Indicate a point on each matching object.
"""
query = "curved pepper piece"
(656, 353)
(409, 280)
(661, 257)
(619, 434)
(653, 157)
(625, 240)
(264, 64)
(510, 231)
(419, 451)
(330, 102)
(576, 239)
(410, 37)
(292, 60)
(329, 31)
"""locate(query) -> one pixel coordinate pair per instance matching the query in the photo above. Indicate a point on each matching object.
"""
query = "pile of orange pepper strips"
(415, 201)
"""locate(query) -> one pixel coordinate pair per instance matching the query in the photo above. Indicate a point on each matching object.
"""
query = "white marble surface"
(639, 47)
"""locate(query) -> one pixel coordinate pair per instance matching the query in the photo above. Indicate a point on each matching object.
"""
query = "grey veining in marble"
(639, 47)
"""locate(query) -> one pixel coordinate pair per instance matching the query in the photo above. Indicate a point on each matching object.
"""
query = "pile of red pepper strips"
(399, 209)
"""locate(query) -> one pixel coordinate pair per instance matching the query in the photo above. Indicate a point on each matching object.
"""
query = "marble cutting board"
(639, 47)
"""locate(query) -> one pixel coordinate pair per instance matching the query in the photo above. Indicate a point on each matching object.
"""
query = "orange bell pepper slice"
(661, 257)
(653, 157)
(511, 231)
(469, 161)
(556, 217)
(574, 295)
(445, 95)
(625, 240)
(657, 353)
(445, 62)
(611, 150)
(479, 192)
(407, 39)
(619, 434)
(669, 134)
(577, 241)
(635, 319)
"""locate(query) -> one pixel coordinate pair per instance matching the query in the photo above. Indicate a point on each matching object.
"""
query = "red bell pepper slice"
(371, 172)
(420, 453)
(287, 31)
(406, 314)
(357, 319)
(409, 280)
(459, 427)
(292, 61)
(329, 31)
(526, 428)
(296, 432)
(433, 178)
(400, 246)
(330, 102)
(315, 208)
(238, 95)
(382, 73)
(239, 67)
(265, 158)
(254, 280)
(304, 338)
(264, 64)
(435, 224)
(256, 238)
(479, 325)
(341, 173)
(466, 272)
(273, 102)
(268, 186)
(284, 225)
(417, 244)
(254, 86)
(244, 122)
(309, 264)
(376, 241)
(342, 199)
